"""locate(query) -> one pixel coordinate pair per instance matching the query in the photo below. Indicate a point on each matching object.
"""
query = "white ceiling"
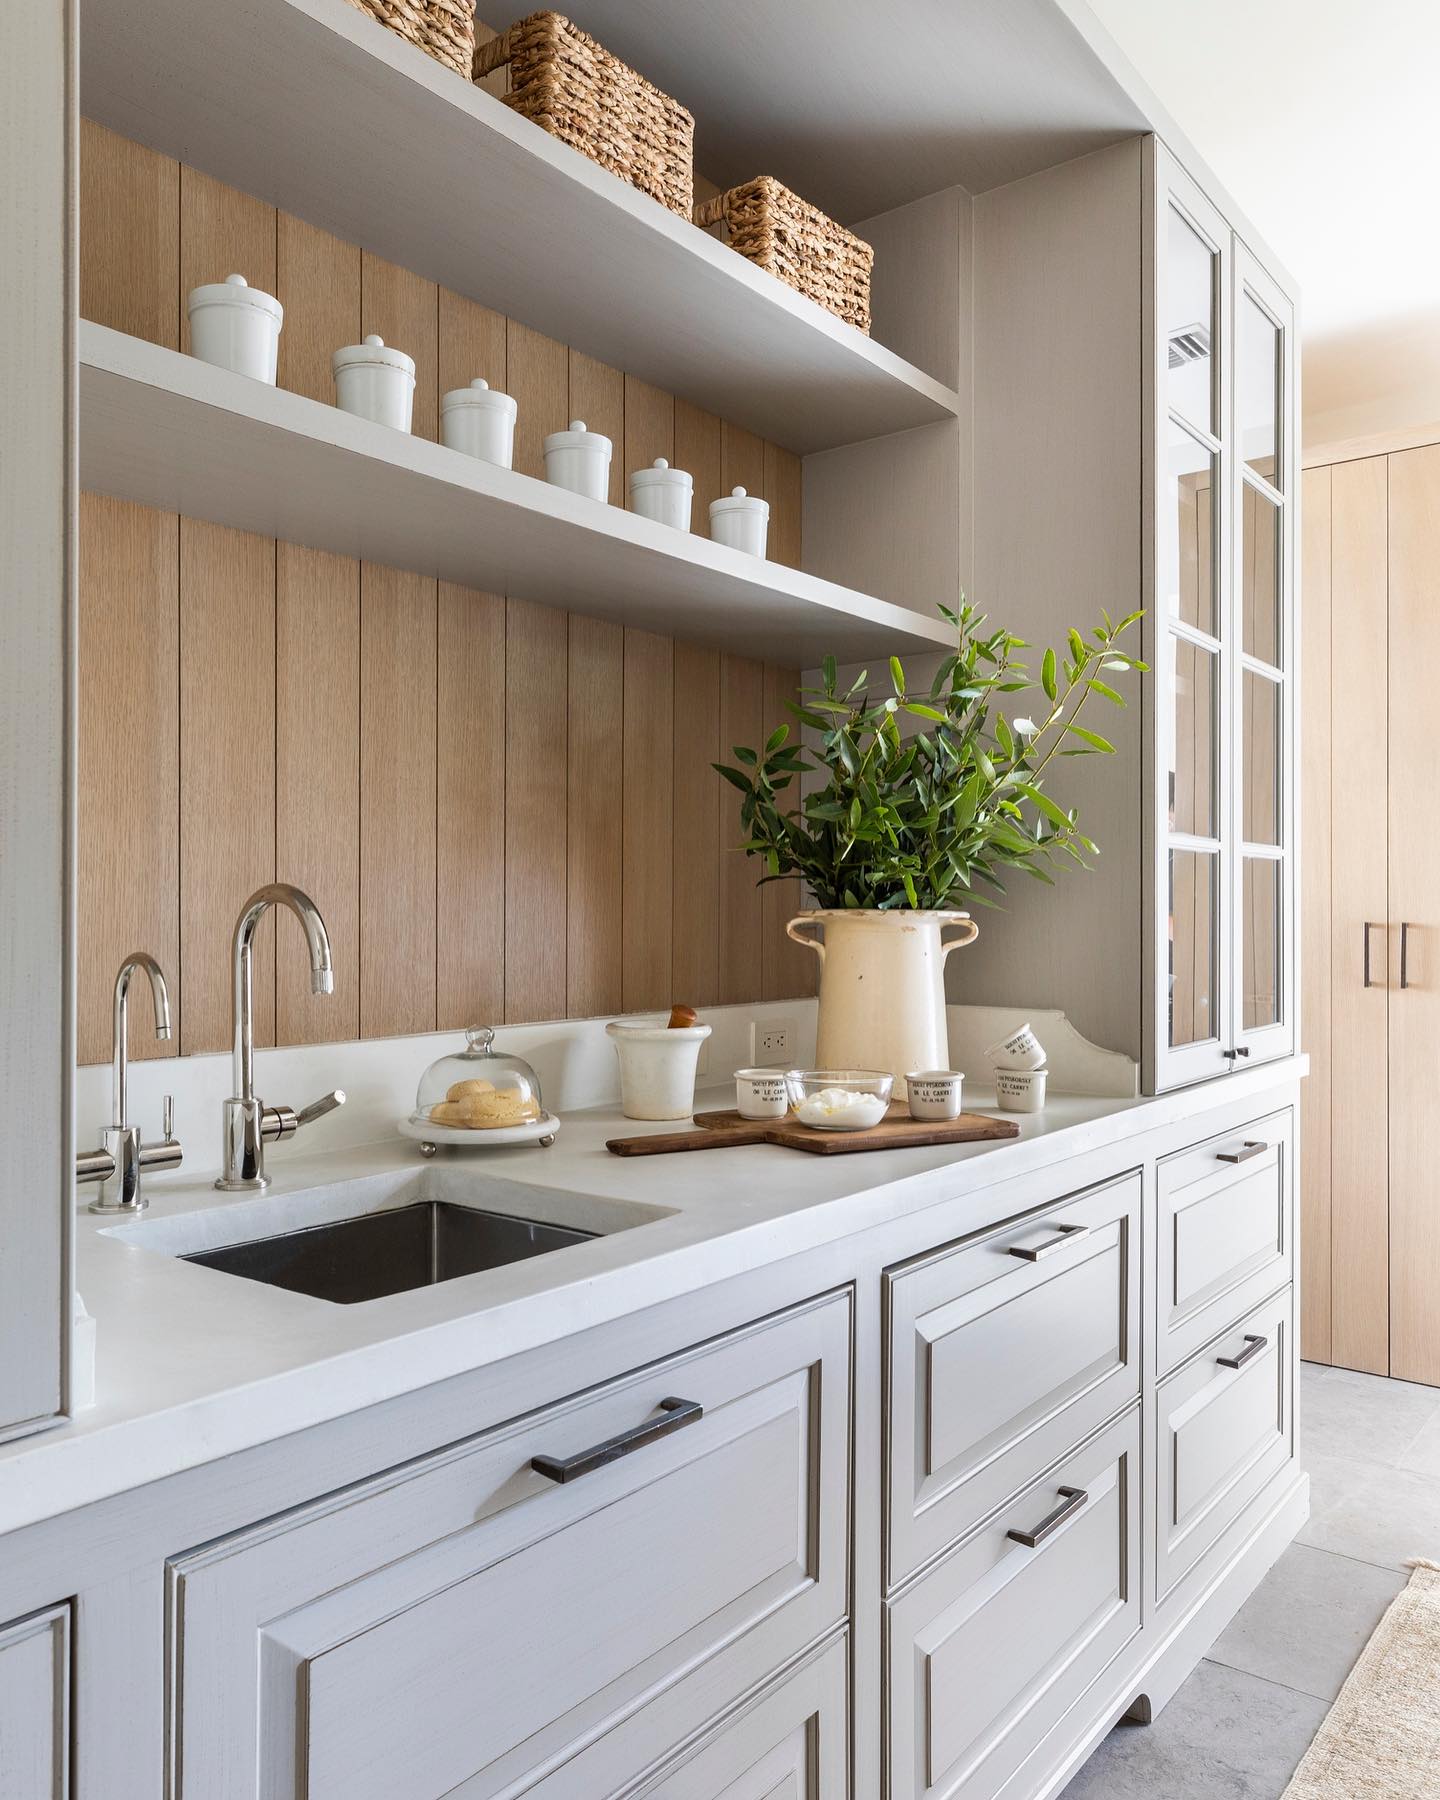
(1320, 117)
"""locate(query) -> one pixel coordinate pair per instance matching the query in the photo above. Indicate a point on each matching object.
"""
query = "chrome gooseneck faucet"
(249, 1123)
(122, 1155)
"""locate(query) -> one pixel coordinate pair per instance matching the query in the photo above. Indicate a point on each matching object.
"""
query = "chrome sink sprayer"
(249, 1123)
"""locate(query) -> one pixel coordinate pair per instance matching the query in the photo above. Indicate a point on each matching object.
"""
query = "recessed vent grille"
(1190, 345)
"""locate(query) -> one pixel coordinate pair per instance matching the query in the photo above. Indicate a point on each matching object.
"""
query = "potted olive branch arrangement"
(905, 826)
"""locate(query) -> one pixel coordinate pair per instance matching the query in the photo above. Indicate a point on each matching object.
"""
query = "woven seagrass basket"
(444, 29)
(779, 231)
(572, 87)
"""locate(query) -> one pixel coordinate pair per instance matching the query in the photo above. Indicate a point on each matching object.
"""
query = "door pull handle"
(1365, 931)
(1404, 953)
(1071, 1501)
(1068, 1234)
(1253, 1346)
(1252, 1148)
(673, 1415)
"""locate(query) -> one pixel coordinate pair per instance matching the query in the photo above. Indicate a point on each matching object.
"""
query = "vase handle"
(801, 931)
(967, 926)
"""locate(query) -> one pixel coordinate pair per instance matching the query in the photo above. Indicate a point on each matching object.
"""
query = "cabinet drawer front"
(35, 1707)
(997, 1363)
(991, 1648)
(1225, 1238)
(1223, 1432)
(466, 1624)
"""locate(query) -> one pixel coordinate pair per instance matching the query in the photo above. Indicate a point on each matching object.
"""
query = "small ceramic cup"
(760, 1093)
(1021, 1050)
(1020, 1090)
(934, 1093)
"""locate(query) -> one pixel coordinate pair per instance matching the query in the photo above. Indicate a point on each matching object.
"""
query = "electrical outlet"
(772, 1041)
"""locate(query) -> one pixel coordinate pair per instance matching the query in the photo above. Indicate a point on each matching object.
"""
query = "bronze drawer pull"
(1252, 1148)
(1404, 953)
(1068, 1234)
(1071, 1501)
(673, 1415)
(1253, 1346)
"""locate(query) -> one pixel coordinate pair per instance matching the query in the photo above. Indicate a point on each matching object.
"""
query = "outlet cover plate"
(772, 1043)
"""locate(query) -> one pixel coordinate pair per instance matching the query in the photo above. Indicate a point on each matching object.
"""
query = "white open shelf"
(339, 121)
(169, 431)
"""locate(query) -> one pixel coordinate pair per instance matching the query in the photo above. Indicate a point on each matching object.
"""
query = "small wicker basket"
(779, 231)
(572, 87)
(444, 29)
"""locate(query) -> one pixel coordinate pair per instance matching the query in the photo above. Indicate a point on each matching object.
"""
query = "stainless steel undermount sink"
(389, 1252)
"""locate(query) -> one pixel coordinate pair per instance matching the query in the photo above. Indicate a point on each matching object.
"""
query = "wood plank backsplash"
(505, 812)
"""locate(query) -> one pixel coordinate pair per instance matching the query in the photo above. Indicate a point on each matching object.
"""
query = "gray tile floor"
(1239, 1725)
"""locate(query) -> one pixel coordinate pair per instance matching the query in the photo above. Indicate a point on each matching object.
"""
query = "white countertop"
(194, 1364)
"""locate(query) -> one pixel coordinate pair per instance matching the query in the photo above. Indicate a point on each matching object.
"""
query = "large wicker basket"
(572, 87)
(444, 29)
(779, 231)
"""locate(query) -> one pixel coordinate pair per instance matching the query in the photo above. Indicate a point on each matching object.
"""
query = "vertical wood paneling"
(404, 309)
(593, 797)
(538, 376)
(742, 699)
(317, 784)
(470, 801)
(742, 460)
(535, 810)
(227, 770)
(786, 968)
(317, 279)
(222, 232)
(695, 885)
(649, 428)
(783, 491)
(597, 395)
(130, 245)
(472, 343)
(129, 778)
(1316, 848)
(649, 820)
(397, 801)
(697, 448)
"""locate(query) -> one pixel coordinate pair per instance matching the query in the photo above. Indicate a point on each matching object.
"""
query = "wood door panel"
(648, 822)
(1359, 1216)
(1414, 1022)
(536, 850)
(593, 861)
(699, 820)
(787, 969)
(742, 699)
(317, 281)
(130, 244)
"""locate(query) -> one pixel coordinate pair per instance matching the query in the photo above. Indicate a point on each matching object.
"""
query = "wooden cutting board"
(896, 1131)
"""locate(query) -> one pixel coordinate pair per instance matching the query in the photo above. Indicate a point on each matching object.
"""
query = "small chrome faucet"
(122, 1155)
(249, 1123)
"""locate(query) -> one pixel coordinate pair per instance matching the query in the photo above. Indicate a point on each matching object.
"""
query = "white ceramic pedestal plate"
(430, 1136)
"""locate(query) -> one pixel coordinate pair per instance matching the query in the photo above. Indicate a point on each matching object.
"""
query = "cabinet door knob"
(1068, 1234)
(1071, 1501)
(1252, 1148)
(1253, 1346)
(673, 1415)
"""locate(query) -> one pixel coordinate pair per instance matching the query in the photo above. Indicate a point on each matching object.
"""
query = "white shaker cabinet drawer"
(1001, 1355)
(990, 1648)
(35, 1706)
(1225, 1428)
(467, 1623)
(1226, 1232)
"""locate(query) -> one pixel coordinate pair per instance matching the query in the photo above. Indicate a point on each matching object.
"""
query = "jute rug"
(1381, 1738)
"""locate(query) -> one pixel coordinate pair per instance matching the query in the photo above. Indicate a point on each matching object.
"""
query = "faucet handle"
(167, 1118)
(280, 1122)
(317, 1109)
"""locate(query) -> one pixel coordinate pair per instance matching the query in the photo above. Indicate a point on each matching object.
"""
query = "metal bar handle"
(1252, 1148)
(674, 1414)
(1365, 931)
(1253, 1346)
(1071, 1501)
(1404, 953)
(1068, 1234)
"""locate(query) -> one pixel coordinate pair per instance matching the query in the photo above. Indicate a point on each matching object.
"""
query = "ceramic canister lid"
(374, 352)
(234, 290)
(577, 438)
(660, 474)
(479, 393)
(737, 500)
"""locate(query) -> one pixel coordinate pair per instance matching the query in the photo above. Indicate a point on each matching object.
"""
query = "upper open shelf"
(171, 432)
(340, 122)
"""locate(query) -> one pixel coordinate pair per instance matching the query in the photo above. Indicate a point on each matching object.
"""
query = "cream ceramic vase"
(882, 986)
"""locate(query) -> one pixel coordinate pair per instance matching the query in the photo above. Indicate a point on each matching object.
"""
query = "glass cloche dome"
(479, 1088)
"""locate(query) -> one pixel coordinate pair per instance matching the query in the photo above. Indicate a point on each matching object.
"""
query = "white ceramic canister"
(740, 520)
(663, 494)
(761, 1093)
(1020, 1090)
(934, 1094)
(657, 1068)
(375, 382)
(480, 421)
(236, 327)
(1021, 1049)
(579, 459)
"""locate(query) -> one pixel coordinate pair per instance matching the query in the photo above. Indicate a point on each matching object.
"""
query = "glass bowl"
(839, 1099)
(479, 1089)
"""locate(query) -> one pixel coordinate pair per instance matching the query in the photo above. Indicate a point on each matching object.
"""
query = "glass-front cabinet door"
(1218, 635)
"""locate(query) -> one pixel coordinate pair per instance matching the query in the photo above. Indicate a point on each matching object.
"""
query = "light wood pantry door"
(1359, 957)
(1414, 989)
(1316, 737)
